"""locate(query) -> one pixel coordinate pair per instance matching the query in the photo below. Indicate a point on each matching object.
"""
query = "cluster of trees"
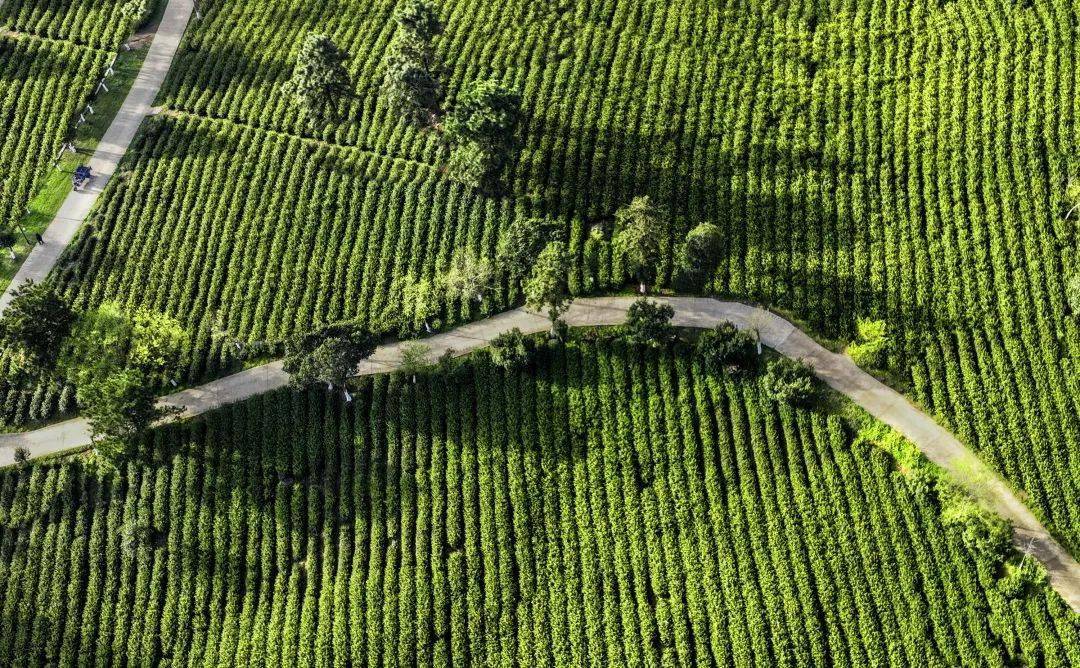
(480, 126)
(116, 359)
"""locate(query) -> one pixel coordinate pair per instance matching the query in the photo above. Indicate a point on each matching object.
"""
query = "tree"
(108, 339)
(868, 350)
(1072, 293)
(481, 127)
(701, 252)
(319, 78)
(547, 286)
(468, 278)
(520, 244)
(329, 355)
(726, 346)
(116, 359)
(421, 302)
(649, 323)
(640, 244)
(410, 82)
(509, 350)
(119, 407)
(412, 90)
(22, 455)
(418, 19)
(34, 325)
(789, 381)
(414, 359)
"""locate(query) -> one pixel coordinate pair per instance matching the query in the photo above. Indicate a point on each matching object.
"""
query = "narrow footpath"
(110, 150)
(838, 371)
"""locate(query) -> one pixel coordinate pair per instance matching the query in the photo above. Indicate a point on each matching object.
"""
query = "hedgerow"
(614, 504)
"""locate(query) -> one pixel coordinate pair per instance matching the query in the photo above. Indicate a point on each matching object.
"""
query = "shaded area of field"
(607, 504)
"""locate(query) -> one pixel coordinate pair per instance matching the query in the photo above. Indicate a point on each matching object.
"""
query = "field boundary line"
(110, 150)
(836, 370)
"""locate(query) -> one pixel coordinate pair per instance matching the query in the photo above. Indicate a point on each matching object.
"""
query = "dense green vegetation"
(900, 161)
(612, 505)
(101, 24)
(42, 87)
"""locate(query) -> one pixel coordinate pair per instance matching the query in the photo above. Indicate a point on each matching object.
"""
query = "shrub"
(726, 346)
(22, 455)
(868, 350)
(789, 381)
(510, 350)
(649, 323)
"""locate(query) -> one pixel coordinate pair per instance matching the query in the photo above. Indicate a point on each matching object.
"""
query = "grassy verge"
(56, 184)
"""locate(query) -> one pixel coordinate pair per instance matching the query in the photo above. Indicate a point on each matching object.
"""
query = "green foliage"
(34, 325)
(21, 455)
(414, 360)
(419, 308)
(1072, 293)
(116, 360)
(701, 251)
(509, 350)
(546, 288)
(641, 241)
(481, 127)
(726, 347)
(468, 278)
(789, 381)
(520, 244)
(119, 405)
(418, 18)
(329, 355)
(319, 79)
(648, 323)
(108, 338)
(410, 82)
(868, 350)
(693, 522)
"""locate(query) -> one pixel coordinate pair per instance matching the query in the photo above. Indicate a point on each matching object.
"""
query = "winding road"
(838, 371)
(112, 147)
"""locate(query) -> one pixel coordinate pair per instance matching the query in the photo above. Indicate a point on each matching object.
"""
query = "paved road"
(838, 371)
(112, 147)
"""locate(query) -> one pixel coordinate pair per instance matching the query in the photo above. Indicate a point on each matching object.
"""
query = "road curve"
(838, 371)
(112, 147)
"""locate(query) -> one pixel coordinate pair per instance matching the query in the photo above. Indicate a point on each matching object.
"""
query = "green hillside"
(607, 507)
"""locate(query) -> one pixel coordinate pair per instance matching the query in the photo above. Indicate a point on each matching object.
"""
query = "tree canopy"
(649, 323)
(319, 79)
(35, 323)
(789, 381)
(481, 127)
(328, 355)
(641, 242)
(520, 244)
(410, 82)
(547, 288)
(726, 346)
(116, 359)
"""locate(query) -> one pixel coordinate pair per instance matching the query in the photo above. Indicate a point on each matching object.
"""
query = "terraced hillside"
(609, 506)
(902, 160)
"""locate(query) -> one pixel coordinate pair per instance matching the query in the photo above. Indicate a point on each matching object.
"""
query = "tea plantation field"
(904, 160)
(608, 506)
